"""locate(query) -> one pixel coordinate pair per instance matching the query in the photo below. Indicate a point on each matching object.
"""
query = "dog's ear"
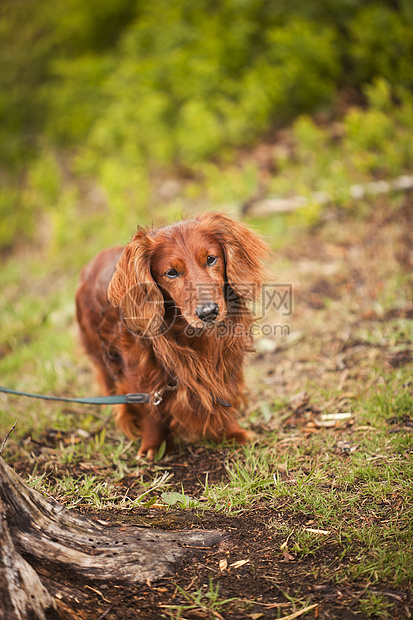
(244, 251)
(133, 290)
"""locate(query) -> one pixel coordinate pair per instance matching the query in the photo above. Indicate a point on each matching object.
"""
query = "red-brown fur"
(141, 330)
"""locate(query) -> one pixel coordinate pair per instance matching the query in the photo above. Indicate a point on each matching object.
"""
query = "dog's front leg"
(154, 432)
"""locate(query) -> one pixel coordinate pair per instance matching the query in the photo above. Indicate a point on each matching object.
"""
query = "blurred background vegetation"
(114, 112)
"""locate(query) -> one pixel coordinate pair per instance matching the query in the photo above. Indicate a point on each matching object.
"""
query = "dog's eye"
(171, 273)
(211, 260)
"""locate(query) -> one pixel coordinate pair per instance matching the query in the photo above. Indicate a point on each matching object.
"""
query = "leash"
(118, 399)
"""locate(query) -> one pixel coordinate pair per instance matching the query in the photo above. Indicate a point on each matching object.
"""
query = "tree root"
(46, 552)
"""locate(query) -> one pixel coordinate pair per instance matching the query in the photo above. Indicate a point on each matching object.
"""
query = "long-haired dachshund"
(168, 316)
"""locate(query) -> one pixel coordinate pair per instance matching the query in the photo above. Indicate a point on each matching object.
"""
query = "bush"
(382, 45)
(186, 92)
(130, 87)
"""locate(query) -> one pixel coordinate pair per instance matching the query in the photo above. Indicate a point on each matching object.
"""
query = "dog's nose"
(207, 312)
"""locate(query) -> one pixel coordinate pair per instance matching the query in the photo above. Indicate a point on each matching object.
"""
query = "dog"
(169, 316)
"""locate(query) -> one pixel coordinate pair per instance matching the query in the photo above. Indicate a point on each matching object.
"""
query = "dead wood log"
(47, 551)
(261, 207)
(21, 591)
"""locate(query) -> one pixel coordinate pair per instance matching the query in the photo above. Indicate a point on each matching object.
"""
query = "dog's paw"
(146, 453)
(236, 433)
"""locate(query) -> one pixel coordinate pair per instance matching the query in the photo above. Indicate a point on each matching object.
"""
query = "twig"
(296, 614)
(7, 436)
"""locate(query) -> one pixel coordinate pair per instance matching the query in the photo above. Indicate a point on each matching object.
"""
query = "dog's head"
(187, 272)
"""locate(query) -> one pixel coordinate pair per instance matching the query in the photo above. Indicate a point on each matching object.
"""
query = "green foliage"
(95, 25)
(371, 143)
(208, 602)
(133, 88)
(382, 45)
(195, 85)
(376, 605)
(27, 43)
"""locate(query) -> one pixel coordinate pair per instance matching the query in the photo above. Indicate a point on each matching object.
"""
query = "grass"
(207, 601)
(340, 497)
(359, 503)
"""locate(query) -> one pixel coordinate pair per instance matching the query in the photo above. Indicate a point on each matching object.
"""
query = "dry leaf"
(287, 556)
(223, 564)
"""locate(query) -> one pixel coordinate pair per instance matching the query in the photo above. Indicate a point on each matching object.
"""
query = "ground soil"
(338, 271)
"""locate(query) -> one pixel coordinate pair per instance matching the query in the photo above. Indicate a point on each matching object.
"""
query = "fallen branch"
(268, 206)
(46, 552)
